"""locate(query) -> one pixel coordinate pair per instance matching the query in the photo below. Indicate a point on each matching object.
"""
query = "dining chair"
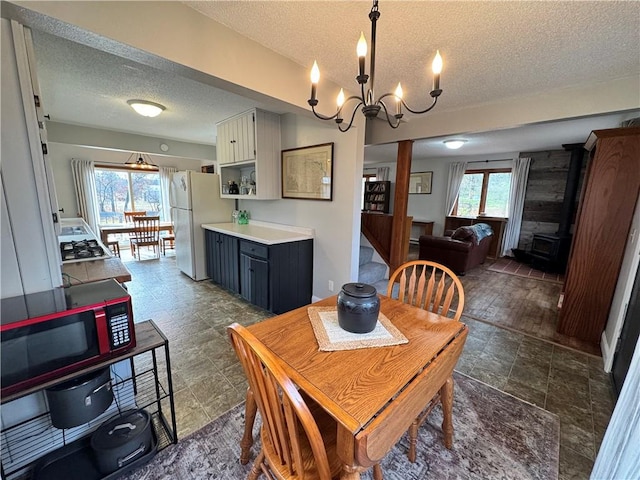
(128, 219)
(433, 287)
(298, 436)
(146, 233)
(167, 237)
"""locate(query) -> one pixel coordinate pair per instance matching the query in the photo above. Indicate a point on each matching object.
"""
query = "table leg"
(446, 396)
(249, 417)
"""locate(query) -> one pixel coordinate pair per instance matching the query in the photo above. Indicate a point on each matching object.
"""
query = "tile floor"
(208, 380)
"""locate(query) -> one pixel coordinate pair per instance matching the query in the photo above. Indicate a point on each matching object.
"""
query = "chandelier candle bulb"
(361, 50)
(315, 78)
(398, 95)
(436, 66)
(340, 102)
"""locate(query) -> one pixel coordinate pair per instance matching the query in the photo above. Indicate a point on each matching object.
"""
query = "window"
(484, 192)
(121, 190)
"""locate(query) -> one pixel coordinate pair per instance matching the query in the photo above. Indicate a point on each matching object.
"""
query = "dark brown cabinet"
(376, 196)
(608, 200)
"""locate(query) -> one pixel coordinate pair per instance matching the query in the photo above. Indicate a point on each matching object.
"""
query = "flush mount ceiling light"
(146, 109)
(140, 161)
(370, 106)
(454, 144)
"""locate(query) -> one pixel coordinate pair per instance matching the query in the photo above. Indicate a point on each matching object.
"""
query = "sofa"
(460, 249)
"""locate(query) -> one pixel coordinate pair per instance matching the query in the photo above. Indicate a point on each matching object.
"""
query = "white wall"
(61, 154)
(430, 207)
(336, 223)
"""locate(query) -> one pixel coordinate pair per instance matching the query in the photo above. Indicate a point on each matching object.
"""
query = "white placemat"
(331, 337)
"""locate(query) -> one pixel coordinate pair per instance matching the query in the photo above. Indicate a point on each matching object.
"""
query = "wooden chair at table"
(146, 233)
(433, 287)
(298, 436)
(128, 218)
(167, 237)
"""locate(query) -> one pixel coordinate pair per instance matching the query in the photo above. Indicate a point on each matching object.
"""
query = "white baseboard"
(607, 353)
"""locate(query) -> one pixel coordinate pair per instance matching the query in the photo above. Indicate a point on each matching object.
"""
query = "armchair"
(460, 250)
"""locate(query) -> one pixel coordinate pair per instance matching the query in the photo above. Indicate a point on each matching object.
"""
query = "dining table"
(108, 229)
(373, 393)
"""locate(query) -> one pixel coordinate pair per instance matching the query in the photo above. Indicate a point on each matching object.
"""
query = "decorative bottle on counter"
(243, 217)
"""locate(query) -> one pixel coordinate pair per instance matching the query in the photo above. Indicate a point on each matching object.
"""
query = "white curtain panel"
(165, 182)
(519, 175)
(456, 174)
(382, 173)
(84, 181)
(618, 455)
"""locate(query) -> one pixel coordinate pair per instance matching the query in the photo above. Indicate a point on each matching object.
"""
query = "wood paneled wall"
(545, 193)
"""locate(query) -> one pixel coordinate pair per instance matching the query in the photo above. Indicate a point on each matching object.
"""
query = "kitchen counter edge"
(262, 232)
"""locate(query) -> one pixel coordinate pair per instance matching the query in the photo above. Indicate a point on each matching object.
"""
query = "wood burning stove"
(550, 253)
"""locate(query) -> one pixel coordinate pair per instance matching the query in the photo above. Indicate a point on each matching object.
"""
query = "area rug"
(512, 267)
(497, 436)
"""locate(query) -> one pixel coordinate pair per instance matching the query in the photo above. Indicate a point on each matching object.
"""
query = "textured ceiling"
(492, 51)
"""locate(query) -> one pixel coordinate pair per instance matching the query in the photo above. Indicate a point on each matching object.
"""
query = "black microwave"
(49, 334)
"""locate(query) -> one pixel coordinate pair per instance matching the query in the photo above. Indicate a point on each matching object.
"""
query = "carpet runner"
(497, 436)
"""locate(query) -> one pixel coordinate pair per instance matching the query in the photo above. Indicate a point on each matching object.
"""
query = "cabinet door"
(222, 260)
(223, 145)
(209, 245)
(254, 280)
(229, 261)
(245, 138)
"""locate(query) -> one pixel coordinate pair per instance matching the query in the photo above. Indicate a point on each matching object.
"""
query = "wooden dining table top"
(106, 230)
(366, 389)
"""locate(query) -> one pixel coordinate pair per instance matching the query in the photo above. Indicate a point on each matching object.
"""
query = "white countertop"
(262, 232)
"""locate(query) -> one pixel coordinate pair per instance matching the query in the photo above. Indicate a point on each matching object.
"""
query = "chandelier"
(140, 161)
(370, 106)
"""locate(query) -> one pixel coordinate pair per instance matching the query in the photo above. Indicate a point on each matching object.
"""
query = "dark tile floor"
(208, 380)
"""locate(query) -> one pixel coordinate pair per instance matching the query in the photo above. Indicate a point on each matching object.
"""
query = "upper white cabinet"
(248, 153)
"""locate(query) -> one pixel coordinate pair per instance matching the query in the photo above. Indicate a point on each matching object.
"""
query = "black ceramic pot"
(358, 307)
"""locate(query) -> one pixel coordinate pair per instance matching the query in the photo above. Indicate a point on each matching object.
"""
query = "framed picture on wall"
(420, 182)
(307, 172)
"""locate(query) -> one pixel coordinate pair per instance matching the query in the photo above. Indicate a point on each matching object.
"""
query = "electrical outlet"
(330, 285)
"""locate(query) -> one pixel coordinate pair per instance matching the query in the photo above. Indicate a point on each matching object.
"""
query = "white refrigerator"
(195, 199)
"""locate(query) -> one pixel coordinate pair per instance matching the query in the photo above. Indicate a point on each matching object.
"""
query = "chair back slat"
(281, 407)
(147, 230)
(435, 288)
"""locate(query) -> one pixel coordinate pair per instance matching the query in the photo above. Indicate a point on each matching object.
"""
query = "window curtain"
(618, 455)
(382, 174)
(165, 182)
(456, 174)
(84, 182)
(517, 192)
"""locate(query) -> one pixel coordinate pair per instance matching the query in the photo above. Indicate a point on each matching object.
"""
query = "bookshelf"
(376, 196)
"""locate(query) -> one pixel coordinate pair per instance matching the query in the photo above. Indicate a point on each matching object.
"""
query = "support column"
(398, 254)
